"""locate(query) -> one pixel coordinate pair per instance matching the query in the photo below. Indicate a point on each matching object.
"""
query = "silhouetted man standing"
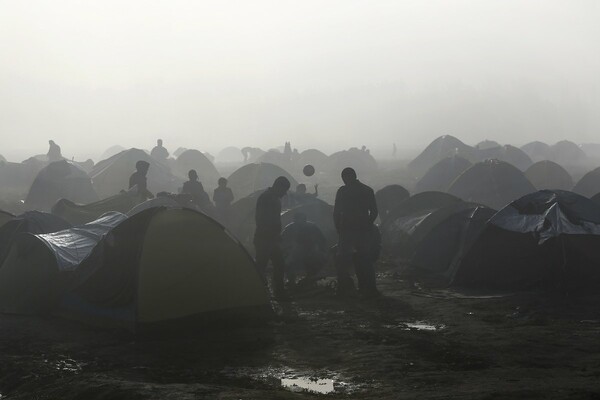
(223, 197)
(354, 213)
(267, 237)
(54, 153)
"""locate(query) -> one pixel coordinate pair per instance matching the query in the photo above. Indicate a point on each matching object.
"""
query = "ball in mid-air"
(308, 170)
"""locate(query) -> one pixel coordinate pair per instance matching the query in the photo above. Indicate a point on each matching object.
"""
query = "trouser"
(354, 249)
(269, 249)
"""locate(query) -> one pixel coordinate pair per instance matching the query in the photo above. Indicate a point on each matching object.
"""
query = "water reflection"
(322, 386)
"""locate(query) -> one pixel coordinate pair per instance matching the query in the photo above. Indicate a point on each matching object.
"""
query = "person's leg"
(364, 266)
(262, 258)
(278, 270)
(346, 245)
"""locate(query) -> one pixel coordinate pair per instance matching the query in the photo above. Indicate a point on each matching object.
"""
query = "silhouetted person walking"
(159, 152)
(354, 213)
(223, 197)
(300, 196)
(139, 181)
(267, 237)
(194, 188)
(54, 153)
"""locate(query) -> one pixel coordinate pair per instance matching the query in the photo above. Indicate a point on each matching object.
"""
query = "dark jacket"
(199, 196)
(355, 207)
(139, 179)
(223, 196)
(268, 216)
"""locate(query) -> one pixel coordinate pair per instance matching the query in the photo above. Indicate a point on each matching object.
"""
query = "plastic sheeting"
(72, 246)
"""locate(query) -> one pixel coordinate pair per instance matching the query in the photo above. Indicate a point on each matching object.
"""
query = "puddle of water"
(322, 386)
(417, 326)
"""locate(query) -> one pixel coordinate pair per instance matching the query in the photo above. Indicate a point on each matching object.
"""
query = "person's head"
(193, 175)
(159, 142)
(301, 188)
(300, 217)
(222, 182)
(348, 175)
(50, 142)
(142, 166)
(281, 186)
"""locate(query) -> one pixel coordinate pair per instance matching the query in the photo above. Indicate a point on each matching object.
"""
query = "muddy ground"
(413, 343)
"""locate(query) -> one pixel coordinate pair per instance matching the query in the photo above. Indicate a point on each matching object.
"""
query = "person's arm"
(337, 212)
(373, 212)
(316, 194)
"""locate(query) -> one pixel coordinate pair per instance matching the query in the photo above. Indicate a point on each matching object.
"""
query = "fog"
(328, 74)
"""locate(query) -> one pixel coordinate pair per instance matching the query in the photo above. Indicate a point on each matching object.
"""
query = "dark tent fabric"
(388, 198)
(37, 268)
(589, 184)
(78, 214)
(537, 151)
(441, 250)
(492, 183)
(487, 144)
(362, 161)
(163, 265)
(596, 198)
(318, 212)
(34, 222)
(546, 239)
(509, 154)
(436, 151)
(253, 177)
(5, 217)
(441, 175)
(18, 177)
(110, 176)
(2, 159)
(549, 175)
(111, 151)
(421, 204)
(194, 159)
(60, 179)
(403, 234)
(566, 153)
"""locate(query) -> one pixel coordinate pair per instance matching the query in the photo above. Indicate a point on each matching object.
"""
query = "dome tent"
(111, 151)
(318, 212)
(544, 239)
(440, 251)
(77, 214)
(537, 151)
(194, 159)
(164, 265)
(492, 183)
(37, 268)
(441, 175)
(230, 155)
(5, 217)
(60, 179)
(313, 157)
(253, 177)
(589, 184)
(487, 144)
(549, 175)
(389, 197)
(566, 153)
(362, 161)
(509, 154)
(110, 176)
(440, 148)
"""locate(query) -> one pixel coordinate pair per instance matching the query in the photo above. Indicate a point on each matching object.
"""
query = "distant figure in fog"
(194, 188)
(305, 248)
(300, 196)
(138, 180)
(223, 197)
(54, 153)
(159, 152)
(354, 214)
(267, 237)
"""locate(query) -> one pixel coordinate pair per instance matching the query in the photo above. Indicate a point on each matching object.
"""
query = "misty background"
(327, 74)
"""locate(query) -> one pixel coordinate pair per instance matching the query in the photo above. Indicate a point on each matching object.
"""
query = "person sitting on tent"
(267, 237)
(354, 215)
(159, 152)
(304, 247)
(194, 188)
(138, 180)
(54, 153)
(301, 197)
(223, 197)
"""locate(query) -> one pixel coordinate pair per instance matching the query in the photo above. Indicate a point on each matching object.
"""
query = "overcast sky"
(327, 73)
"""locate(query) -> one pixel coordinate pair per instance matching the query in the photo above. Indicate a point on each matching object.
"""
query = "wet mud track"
(411, 343)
